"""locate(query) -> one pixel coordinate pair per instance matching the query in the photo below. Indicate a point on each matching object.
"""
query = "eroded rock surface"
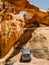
(11, 26)
(24, 5)
(39, 43)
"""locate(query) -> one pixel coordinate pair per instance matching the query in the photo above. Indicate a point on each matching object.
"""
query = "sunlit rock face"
(39, 43)
(26, 6)
(10, 31)
(11, 27)
(31, 18)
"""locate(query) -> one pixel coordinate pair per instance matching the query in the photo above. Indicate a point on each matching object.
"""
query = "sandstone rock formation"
(39, 43)
(9, 20)
(31, 18)
(10, 31)
(26, 6)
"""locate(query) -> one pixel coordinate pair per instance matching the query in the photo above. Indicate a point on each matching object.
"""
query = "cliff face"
(26, 6)
(10, 32)
(11, 27)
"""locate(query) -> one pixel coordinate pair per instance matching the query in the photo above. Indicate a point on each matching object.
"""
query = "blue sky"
(42, 4)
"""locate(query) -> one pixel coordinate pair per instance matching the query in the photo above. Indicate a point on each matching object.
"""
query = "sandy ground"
(34, 61)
